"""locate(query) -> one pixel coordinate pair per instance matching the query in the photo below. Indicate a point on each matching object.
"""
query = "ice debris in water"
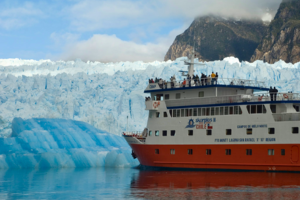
(48, 143)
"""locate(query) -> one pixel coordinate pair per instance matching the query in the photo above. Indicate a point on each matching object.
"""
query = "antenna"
(127, 124)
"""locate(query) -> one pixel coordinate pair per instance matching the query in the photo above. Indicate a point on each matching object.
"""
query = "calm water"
(104, 183)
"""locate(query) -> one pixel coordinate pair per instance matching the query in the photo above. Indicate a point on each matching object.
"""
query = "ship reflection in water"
(215, 185)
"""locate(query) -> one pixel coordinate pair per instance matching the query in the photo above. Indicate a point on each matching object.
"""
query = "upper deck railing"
(205, 82)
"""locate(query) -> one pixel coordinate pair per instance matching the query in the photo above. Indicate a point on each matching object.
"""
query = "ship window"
(208, 151)
(174, 113)
(222, 111)
(182, 112)
(273, 108)
(190, 151)
(236, 110)
(259, 109)
(194, 111)
(173, 133)
(207, 111)
(217, 111)
(164, 133)
(156, 133)
(282, 152)
(249, 131)
(177, 95)
(226, 110)
(172, 151)
(170, 111)
(248, 152)
(178, 113)
(212, 111)
(231, 110)
(271, 152)
(190, 133)
(157, 114)
(201, 94)
(165, 114)
(156, 151)
(208, 132)
(253, 109)
(295, 130)
(150, 114)
(228, 131)
(203, 111)
(228, 151)
(167, 96)
(271, 130)
(199, 111)
(150, 133)
(240, 110)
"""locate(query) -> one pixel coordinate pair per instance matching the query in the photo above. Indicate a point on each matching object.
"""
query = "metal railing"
(286, 117)
(234, 99)
(207, 82)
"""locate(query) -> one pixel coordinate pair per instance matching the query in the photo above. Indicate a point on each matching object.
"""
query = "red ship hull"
(260, 159)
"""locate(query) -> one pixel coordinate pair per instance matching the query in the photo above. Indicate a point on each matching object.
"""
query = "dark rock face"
(282, 39)
(215, 38)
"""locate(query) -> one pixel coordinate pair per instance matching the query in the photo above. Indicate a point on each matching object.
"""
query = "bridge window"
(295, 130)
(199, 111)
(194, 111)
(150, 133)
(248, 152)
(208, 151)
(165, 114)
(190, 132)
(212, 111)
(157, 114)
(271, 130)
(167, 96)
(236, 110)
(249, 131)
(178, 113)
(182, 112)
(228, 131)
(231, 110)
(164, 133)
(208, 132)
(190, 151)
(173, 133)
(177, 95)
(188, 112)
(174, 113)
(226, 110)
(207, 111)
(156, 151)
(217, 111)
(271, 152)
(159, 97)
(156, 133)
(172, 151)
(201, 94)
(256, 109)
(282, 152)
(203, 112)
(228, 151)
(222, 111)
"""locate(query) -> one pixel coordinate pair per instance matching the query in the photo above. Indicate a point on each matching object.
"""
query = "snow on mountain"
(104, 94)
(48, 143)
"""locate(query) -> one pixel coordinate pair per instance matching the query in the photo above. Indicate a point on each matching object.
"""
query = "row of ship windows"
(271, 152)
(227, 110)
(160, 97)
(294, 130)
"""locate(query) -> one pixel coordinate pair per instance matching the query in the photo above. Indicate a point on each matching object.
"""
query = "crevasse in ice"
(104, 94)
(45, 143)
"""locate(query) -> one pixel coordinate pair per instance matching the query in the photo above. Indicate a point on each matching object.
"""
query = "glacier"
(57, 143)
(104, 94)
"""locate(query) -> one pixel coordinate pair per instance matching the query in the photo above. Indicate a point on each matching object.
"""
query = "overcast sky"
(108, 30)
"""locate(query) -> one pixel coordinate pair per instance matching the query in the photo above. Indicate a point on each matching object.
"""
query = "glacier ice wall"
(56, 143)
(104, 94)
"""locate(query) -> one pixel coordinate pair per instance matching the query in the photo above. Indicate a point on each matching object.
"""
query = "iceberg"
(57, 143)
(104, 94)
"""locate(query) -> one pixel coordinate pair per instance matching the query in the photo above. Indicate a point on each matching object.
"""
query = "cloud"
(16, 17)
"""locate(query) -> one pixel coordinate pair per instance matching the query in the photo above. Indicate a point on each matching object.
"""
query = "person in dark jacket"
(275, 93)
(271, 93)
(216, 78)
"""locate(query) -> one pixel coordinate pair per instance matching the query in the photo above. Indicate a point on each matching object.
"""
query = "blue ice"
(55, 143)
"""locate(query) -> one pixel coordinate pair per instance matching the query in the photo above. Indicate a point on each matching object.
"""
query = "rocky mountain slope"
(282, 39)
(215, 38)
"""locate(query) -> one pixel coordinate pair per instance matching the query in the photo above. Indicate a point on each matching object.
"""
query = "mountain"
(215, 38)
(282, 39)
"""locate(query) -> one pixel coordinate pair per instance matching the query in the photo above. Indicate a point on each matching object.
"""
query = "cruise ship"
(225, 124)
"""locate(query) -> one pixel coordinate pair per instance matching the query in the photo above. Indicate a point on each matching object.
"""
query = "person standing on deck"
(216, 78)
(275, 95)
(271, 93)
(183, 83)
(213, 78)
(208, 80)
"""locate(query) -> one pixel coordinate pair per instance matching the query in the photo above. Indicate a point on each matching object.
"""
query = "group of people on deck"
(273, 93)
